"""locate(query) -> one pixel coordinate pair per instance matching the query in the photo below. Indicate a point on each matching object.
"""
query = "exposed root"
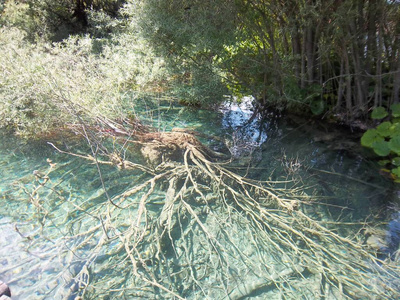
(189, 227)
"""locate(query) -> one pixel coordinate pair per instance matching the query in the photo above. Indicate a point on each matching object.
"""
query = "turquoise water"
(55, 236)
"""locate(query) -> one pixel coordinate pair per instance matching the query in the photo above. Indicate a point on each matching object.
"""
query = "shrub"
(46, 86)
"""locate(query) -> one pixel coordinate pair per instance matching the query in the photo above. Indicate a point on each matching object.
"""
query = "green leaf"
(395, 110)
(379, 113)
(396, 171)
(394, 144)
(383, 162)
(395, 120)
(396, 161)
(384, 129)
(371, 136)
(395, 130)
(381, 148)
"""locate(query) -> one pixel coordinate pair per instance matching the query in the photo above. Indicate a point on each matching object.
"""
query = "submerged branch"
(193, 225)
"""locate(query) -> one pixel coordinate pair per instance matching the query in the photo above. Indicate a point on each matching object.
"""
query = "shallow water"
(38, 257)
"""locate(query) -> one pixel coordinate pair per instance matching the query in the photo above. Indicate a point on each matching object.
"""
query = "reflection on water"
(38, 257)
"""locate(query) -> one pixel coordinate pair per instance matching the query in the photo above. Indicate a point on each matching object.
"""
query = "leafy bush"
(385, 138)
(45, 86)
(40, 20)
(191, 38)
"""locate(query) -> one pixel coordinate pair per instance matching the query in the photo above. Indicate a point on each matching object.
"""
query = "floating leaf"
(395, 110)
(381, 148)
(379, 113)
(396, 161)
(371, 136)
(384, 129)
(394, 144)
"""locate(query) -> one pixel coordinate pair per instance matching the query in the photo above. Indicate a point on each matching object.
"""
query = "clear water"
(38, 257)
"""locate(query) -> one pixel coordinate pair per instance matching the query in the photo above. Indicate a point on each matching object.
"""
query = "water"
(55, 237)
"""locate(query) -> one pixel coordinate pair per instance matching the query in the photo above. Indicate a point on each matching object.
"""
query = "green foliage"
(25, 17)
(379, 113)
(191, 37)
(395, 108)
(384, 140)
(370, 137)
(396, 172)
(381, 148)
(56, 20)
(277, 51)
(396, 161)
(47, 86)
(394, 144)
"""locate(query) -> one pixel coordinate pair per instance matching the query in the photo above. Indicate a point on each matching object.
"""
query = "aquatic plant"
(384, 140)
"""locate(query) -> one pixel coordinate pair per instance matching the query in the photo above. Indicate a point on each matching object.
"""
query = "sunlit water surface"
(36, 270)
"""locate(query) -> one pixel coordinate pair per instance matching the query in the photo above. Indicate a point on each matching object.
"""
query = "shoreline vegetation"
(178, 228)
(82, 57)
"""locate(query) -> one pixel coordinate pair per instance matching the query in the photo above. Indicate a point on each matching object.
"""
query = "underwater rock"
(4, 290)
(393, 235)
(386, 242)
(377, 243)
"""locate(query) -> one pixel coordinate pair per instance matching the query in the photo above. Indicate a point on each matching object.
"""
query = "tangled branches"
(189, 227)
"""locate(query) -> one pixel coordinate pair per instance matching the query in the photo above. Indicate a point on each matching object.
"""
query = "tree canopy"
(334, 57)
(341, 56)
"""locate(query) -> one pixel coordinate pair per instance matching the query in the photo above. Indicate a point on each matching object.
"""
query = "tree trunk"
(296, 46)
(80, 13)
(349, 105)
(378, 72)
(396, 82)
(309, 45)
(341, 83)
(303, 62)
